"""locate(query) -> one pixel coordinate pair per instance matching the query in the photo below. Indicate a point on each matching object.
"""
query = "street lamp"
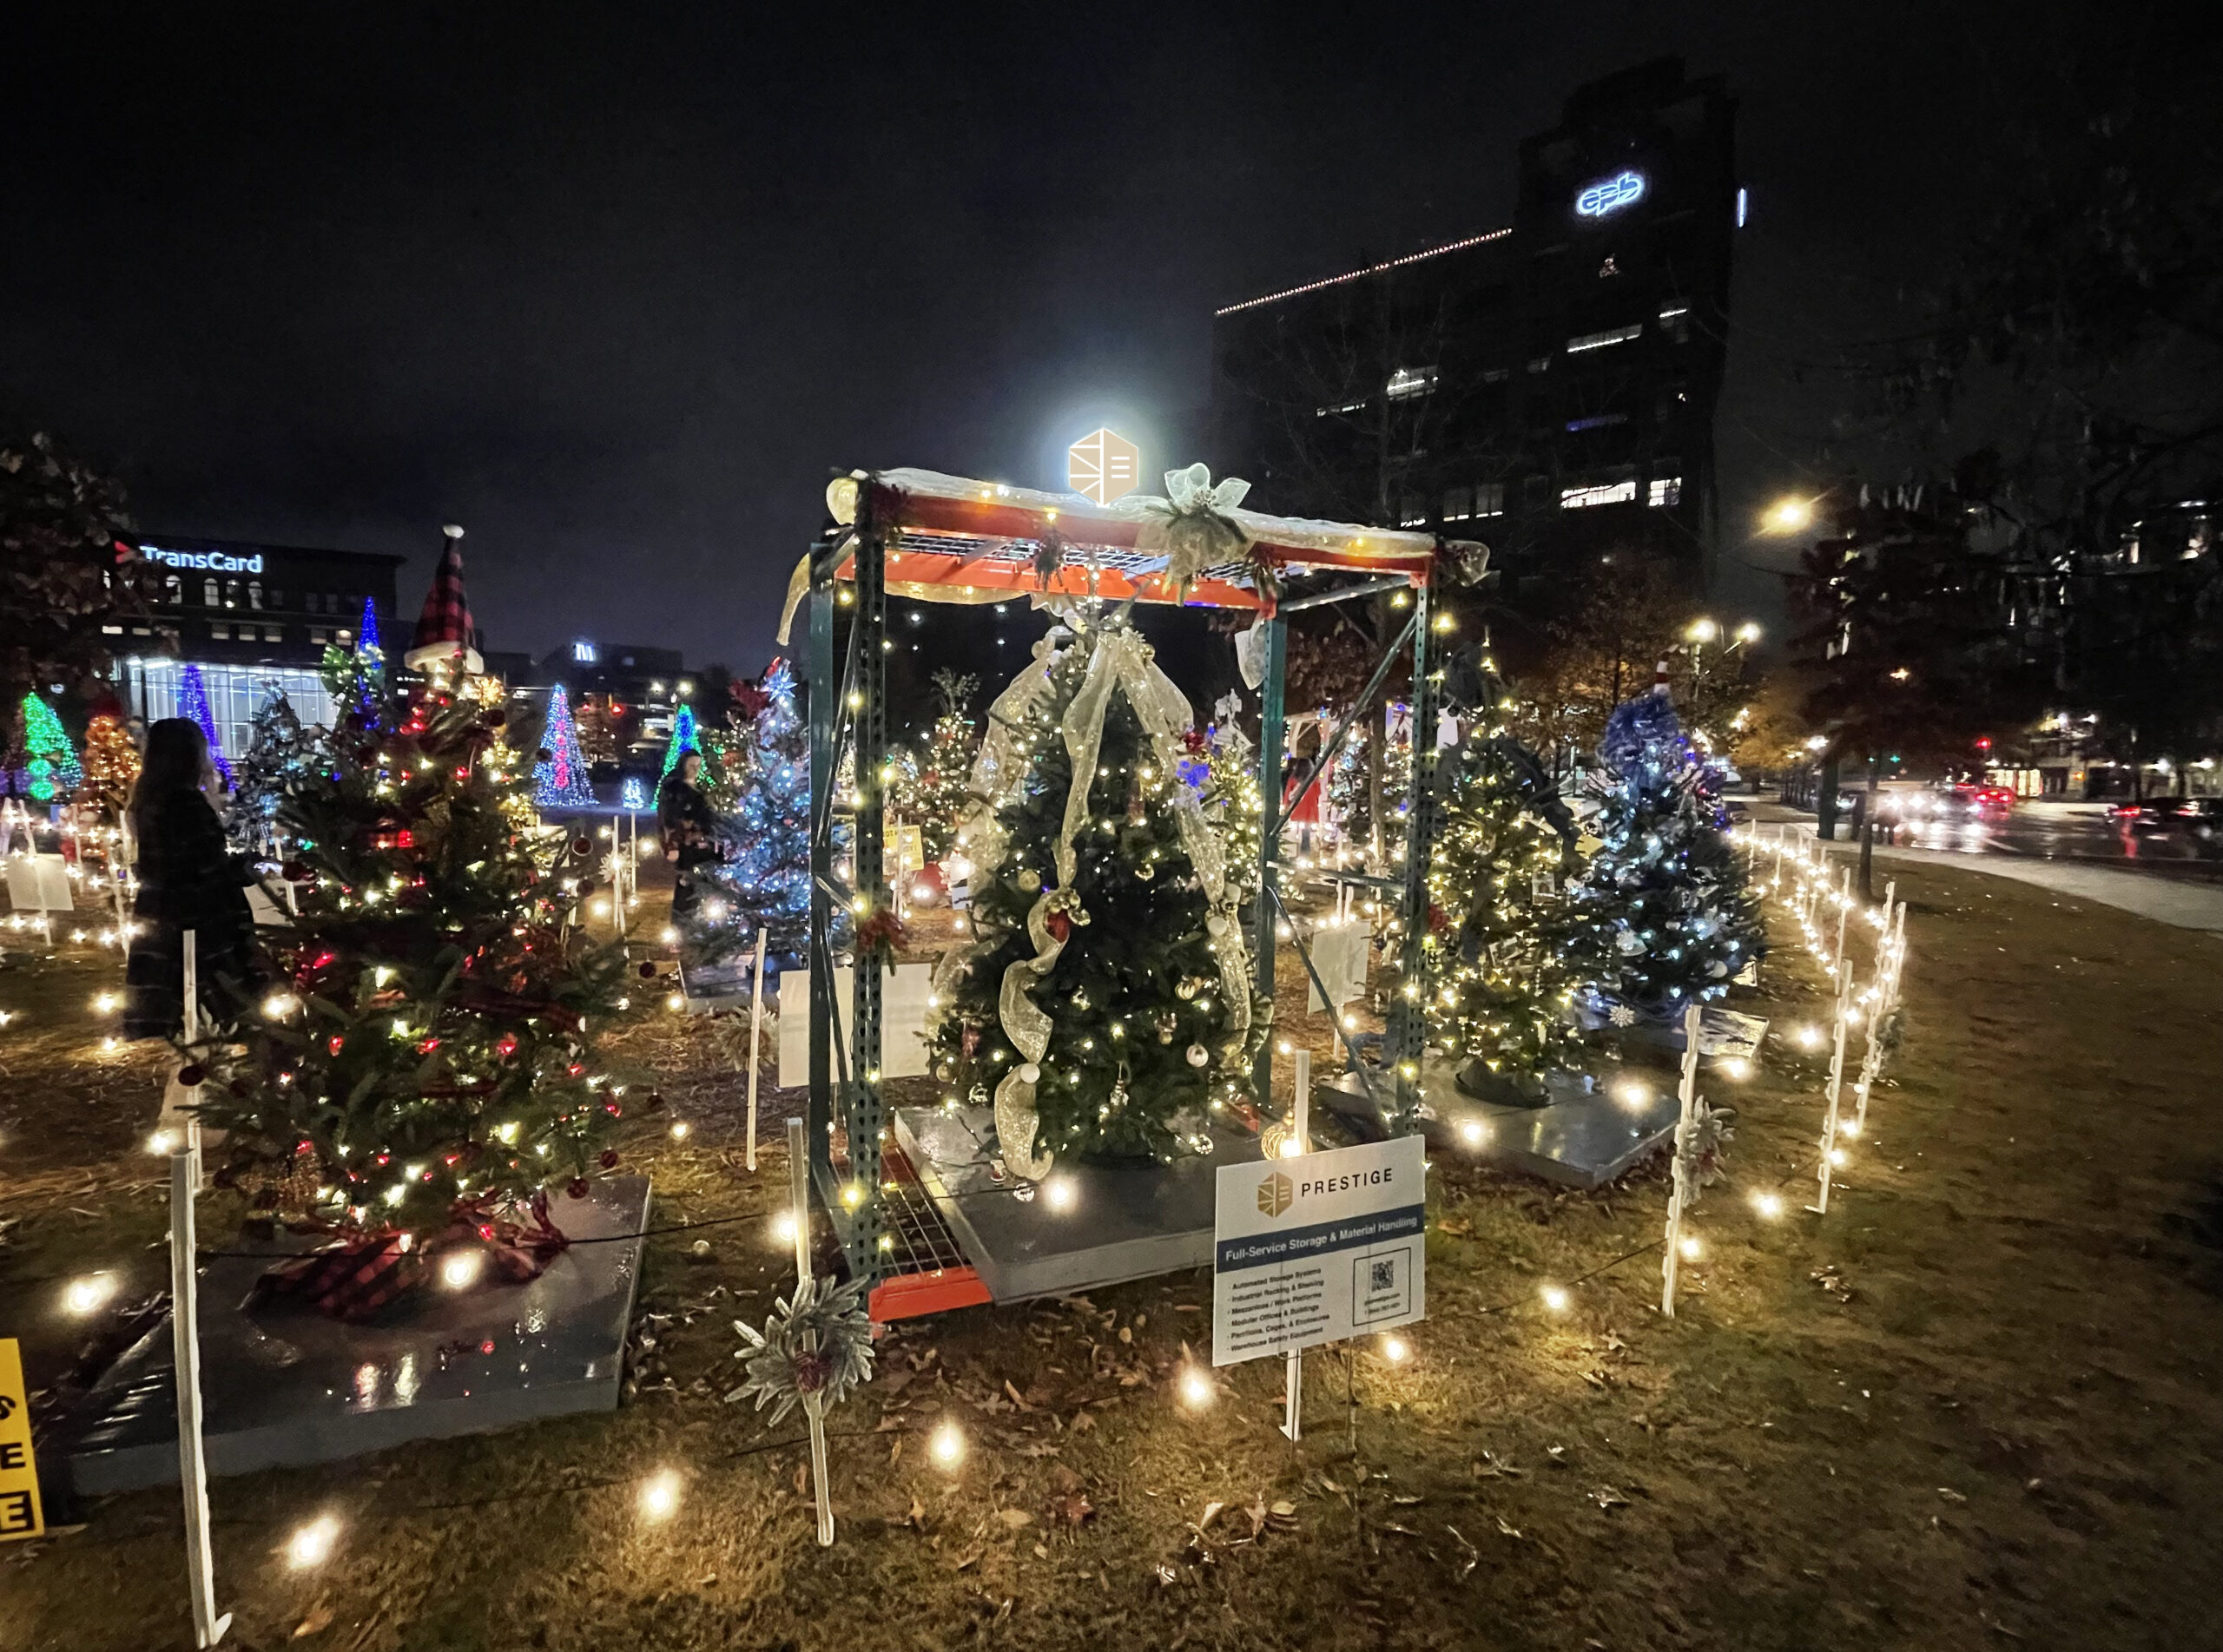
(1788, 517)
(1704, 631)
(1748, 632)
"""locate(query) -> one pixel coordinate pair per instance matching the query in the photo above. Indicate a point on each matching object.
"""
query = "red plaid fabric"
(446, 617)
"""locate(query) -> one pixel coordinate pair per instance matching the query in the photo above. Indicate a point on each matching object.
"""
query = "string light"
(660, 1496)
(947, 1445)
(1554, 1297)
(460, 1270)
(1196, 1389)
(89, 1293)
(312, 1545)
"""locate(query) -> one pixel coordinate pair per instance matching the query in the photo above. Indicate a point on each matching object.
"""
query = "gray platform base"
(1125, 1223)
(293, 1388)
(1582, 1139)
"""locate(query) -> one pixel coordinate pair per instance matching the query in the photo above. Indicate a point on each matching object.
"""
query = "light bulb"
(1196, 1389)
(947, 1445)
(660, 1495)
(1555, 1298)
(311, 1545)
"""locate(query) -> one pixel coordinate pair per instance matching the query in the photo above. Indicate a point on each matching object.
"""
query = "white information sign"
(1317, 1248)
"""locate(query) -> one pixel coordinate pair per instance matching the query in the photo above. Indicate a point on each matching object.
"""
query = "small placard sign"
(1318, 1247)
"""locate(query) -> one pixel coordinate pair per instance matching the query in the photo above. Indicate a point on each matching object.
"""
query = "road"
(2059, 831)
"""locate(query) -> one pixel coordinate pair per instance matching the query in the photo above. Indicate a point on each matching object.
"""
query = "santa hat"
(1659, 681)
(444, 629)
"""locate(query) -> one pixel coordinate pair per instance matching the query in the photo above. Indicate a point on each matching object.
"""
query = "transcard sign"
(1317, 1248)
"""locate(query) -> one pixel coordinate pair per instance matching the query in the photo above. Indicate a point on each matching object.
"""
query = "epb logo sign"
(1275, 1194)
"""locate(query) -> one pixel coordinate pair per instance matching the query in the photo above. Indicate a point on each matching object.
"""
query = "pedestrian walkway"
(2180, 902)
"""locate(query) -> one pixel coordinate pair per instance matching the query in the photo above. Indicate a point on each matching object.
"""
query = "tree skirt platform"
(1123, 1223)
(1583, 1138)
(290, 1386)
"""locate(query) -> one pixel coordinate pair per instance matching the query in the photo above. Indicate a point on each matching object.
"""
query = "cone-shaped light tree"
(559, 780)
(47, 770)
(760, 784)
(193, 701)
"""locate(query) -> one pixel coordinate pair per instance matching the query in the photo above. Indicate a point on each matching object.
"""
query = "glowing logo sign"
(1609, 196)
(1102, 465)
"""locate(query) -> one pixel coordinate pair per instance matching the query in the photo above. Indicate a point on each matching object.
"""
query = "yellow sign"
(20, 1514)
(1102, 465)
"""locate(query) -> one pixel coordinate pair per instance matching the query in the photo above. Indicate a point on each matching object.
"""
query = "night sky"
(616, 292)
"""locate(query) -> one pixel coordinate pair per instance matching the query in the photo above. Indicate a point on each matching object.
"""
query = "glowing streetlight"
(1748, 632)
(1788, 515)
(1704, 631)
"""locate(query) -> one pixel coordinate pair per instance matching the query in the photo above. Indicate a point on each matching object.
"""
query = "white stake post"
(755, 1029)
(1780, 832)
(185, 1340)
(1821, 1207)
(799, 1202)
(1688, 1094)
(1844, 905)
(1300, 1120)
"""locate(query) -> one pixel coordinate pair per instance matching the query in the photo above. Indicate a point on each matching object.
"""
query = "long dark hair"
(177, 760)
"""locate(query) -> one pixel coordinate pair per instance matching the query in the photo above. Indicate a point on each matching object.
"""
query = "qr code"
(1382, 1275)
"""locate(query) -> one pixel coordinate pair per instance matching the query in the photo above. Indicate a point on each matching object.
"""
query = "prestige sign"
(1317, 1248)
(214, 562)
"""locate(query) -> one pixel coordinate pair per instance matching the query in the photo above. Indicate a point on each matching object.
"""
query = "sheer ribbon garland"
(1119, 660)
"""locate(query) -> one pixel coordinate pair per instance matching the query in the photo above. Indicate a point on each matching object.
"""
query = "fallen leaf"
(1950, 1495)
(1165, 1575)
(1082, 1421)
(318, 1620)
(1072, 1509)
(1505, 1531)
(1606, 1498)
(1015, 1517)
(1015, 1399)
(1211, 1513)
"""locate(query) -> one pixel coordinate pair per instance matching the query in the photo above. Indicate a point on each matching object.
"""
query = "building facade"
(252, 617)
(1547, 387)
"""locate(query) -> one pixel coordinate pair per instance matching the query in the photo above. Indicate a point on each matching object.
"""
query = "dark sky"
(615, 290)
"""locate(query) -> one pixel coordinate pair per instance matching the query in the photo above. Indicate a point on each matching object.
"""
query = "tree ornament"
(1199, 1056)
(815, 1350)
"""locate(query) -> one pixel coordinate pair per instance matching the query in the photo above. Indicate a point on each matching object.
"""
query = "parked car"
(2151, 814)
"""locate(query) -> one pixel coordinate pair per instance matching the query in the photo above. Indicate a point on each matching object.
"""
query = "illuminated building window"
(1343, 407)
(1540, 364)
(1496, 375)
(210, 598)
(1596, 421)
(218, 629)
(1413, 512)
(254, 593)
(1576, 346)
(1667, 491)
(1458, 504)
(1599, 493)
(1408, 382)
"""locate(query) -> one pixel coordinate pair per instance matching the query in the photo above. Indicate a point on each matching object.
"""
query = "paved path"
(2181, 902)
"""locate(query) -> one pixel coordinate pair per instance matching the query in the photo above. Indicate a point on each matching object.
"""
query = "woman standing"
(187, 880)
(689, 831)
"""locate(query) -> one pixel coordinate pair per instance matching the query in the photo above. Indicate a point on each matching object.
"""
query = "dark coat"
(689, 827)
(188, 880)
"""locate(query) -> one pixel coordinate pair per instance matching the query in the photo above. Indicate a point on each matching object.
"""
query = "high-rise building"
(1547, 387)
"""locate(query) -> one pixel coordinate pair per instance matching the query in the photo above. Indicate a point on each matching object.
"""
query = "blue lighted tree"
(1661, 916)
(765, 878)
(193, 701)
(367, 636)
(559, 780)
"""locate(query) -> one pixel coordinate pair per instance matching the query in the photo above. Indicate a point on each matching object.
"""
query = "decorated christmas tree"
(937, 798)
(111, 765)
(597, 730)
(193, 701)
(1106, 1003)
(280, 751)
(1661, 915)
(764, 881)
(46, 768)
(425, 1066)
(368, 638)
(1497, 890)
(559, 780)
(1221, 766)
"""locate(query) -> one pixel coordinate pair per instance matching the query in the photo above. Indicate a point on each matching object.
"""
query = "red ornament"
(333, 1044)
(576, 1188)
(190, 1074)
(610, 1158)
(507, 1044)
(1058, 926)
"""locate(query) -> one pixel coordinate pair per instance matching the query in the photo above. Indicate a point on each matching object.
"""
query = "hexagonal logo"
(1275, 1194)
(1102, 465)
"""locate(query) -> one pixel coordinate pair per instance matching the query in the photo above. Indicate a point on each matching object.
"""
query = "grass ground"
(1977, 1405)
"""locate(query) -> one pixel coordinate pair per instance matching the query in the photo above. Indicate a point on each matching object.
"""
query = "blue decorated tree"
(764, 879)
(193, 701)
(1662, 915)
(560, 779)
(683, 741)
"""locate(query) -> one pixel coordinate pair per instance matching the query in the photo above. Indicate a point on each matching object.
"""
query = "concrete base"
(1584, 1137)
(290, 1386)
(1123, 1222)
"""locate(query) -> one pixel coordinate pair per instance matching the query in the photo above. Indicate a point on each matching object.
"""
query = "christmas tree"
(559, 780)
(367, 640)
(279, 752)
(1497, 893)
(111, 765)
(936, 800)
(683, 741)
(47, 769)
(1661, 915)
(761, 789)
(193, 701)
(1105, 1001)
(427, 1066)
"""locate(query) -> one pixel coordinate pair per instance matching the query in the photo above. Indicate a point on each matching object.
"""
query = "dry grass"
(1975, 1406)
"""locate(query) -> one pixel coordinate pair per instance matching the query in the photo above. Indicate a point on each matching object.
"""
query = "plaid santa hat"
(444, 629)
